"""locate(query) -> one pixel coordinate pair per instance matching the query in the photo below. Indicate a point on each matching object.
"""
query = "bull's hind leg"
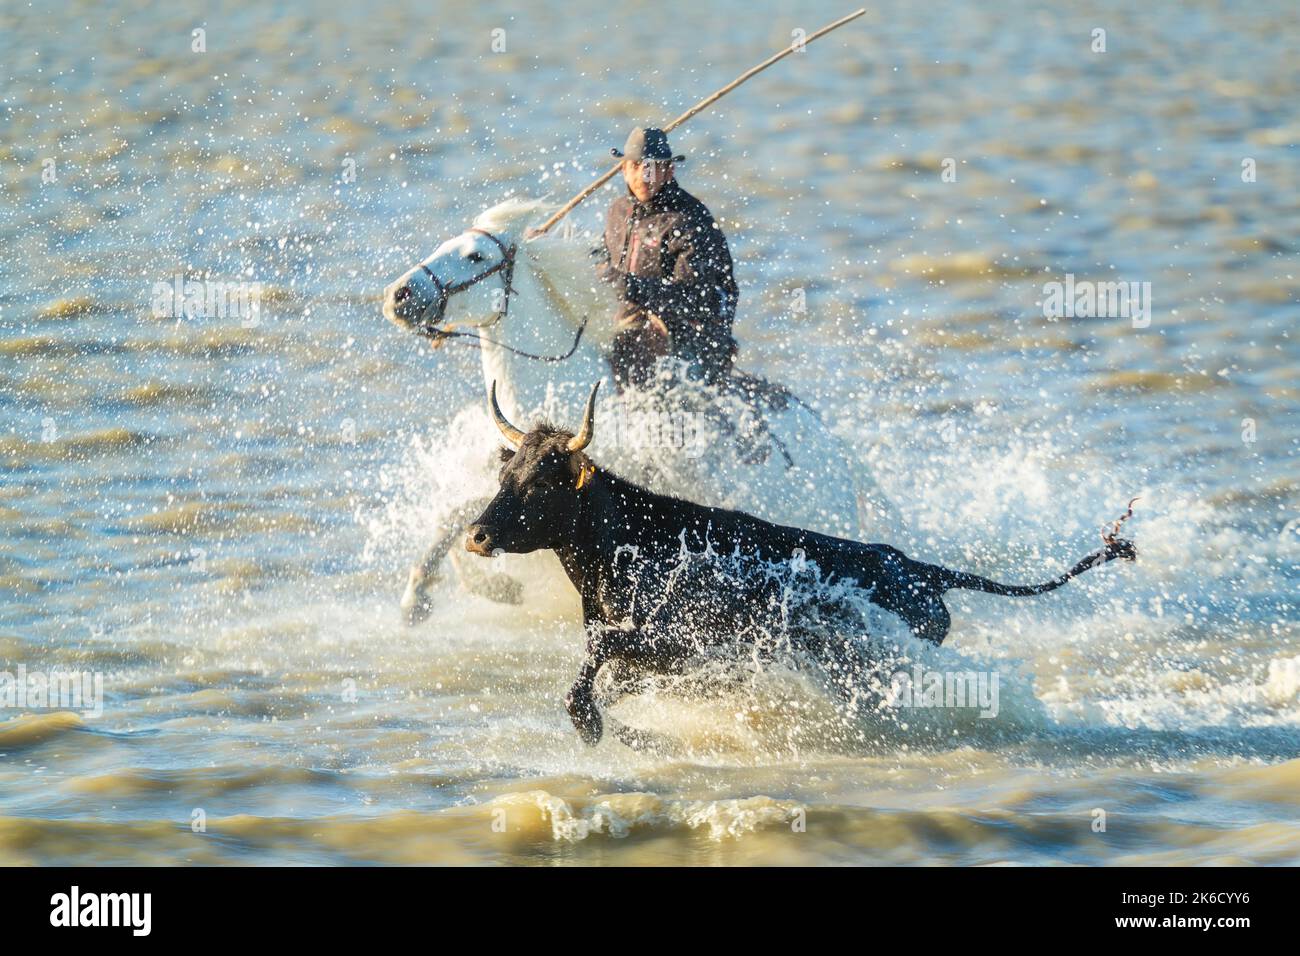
(837, 657)
(621, 680)
(416, 605)
(644, 741)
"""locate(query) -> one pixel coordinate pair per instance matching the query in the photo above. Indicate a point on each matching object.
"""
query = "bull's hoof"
(644, 741)
(585, 716)
(590, 730)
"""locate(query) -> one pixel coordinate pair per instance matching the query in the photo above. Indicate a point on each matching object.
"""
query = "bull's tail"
(1115, 548)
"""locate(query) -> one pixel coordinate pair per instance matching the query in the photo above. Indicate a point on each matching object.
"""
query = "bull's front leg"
(661, 653)
(604, 643)
(580, 702)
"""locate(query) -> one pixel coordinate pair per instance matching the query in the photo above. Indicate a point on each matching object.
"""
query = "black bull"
(623, 547)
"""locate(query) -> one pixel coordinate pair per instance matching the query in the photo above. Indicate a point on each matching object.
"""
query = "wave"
(30, 730)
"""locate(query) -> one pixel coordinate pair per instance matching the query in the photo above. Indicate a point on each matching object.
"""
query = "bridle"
(506, 267)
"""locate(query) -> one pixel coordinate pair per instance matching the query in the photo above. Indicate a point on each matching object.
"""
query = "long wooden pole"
(701, 105)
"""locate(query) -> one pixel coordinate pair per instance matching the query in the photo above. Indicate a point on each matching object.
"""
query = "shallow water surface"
(216, 518)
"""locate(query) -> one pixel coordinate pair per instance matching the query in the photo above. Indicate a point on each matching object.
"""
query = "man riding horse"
(669, 264)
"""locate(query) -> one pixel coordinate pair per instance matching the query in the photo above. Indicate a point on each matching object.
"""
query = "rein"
(507, 269)
(478, 339)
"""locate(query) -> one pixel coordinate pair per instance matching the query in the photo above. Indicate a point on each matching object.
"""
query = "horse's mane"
(563, 264)
(508, 213)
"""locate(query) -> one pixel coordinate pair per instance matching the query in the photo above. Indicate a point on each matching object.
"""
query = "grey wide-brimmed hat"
(646, 143)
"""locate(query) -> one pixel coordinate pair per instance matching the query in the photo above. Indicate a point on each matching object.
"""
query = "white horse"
(540, 317)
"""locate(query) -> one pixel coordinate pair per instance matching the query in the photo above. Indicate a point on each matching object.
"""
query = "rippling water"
(217, 518)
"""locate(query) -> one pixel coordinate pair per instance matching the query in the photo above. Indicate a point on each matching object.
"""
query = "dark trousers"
(636, 349)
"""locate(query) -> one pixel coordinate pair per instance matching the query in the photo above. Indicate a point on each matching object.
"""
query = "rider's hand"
(616, 278)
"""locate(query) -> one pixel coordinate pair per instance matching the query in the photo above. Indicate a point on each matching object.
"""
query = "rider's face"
(646, 179)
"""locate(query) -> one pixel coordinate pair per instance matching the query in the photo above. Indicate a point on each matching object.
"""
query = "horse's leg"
(415, 600)
(416, 605)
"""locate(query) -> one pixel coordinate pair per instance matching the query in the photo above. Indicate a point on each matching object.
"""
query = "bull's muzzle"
(478, 539)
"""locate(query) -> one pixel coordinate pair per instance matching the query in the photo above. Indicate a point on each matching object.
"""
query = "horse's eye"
(475, 257)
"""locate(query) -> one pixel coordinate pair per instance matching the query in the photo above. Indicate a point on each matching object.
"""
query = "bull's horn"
(513, 435)
(581, 440)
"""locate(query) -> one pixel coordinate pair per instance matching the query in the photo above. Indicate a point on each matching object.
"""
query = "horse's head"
(474, 267)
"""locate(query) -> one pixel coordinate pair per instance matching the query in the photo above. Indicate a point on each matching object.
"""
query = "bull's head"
(544, 475)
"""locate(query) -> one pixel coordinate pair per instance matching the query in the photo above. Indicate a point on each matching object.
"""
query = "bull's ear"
(507, 454)
(583, 470)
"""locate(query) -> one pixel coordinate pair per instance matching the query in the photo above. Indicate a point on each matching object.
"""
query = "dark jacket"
(670, 259)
